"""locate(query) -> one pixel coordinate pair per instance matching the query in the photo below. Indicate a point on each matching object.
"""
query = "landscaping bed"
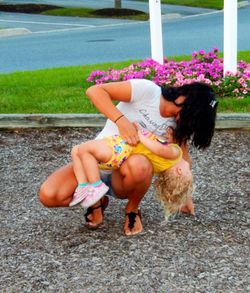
(43, 8)
(27, 8)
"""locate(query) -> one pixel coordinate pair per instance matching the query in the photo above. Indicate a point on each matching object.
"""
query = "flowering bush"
(203, 67)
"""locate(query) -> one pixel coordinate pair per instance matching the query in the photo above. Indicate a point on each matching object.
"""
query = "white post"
(156, 30)
(230, 35)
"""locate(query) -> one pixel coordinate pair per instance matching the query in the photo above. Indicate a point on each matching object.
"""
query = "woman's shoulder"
(143, 82)
(144, 89)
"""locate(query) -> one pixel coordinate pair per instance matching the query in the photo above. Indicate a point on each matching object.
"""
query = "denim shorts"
(106, 177)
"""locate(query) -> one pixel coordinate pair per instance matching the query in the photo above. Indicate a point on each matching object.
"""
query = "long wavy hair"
(198, 113)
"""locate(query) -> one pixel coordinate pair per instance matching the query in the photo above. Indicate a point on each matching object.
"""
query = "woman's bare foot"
(133, 224)
(94, 214)
(95, 218)
(188, 207)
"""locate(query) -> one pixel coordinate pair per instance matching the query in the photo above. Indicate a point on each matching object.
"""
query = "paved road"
(64, 41)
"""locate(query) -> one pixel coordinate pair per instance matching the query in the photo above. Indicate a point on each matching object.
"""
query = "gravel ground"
(50, 250)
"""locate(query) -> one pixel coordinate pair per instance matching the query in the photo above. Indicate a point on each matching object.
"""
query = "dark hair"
(198, 113)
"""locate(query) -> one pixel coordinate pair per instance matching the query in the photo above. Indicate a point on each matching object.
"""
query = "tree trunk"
(118, 4)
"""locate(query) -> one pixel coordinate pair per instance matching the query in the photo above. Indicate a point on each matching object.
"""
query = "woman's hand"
(128, 131)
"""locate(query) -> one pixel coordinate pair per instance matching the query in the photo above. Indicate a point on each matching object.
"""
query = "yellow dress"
(160, 164)
(121, 151)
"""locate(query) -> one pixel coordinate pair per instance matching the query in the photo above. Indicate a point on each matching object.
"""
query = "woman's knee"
(47, 196)
(58, 188)
(54, 195)
(140, 167)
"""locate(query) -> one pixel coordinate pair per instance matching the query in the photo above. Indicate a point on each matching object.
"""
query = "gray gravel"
(50, 250)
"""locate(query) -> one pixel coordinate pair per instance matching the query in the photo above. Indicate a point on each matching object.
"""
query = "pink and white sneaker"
(95, 193)
(80, 193)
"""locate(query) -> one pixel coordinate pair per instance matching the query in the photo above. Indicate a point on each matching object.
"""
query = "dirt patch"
(27, 8)
(117, 12)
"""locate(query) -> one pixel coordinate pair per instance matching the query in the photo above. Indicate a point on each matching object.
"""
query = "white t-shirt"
(143, 108)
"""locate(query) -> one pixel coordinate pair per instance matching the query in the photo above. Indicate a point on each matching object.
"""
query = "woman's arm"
(185, 154)
(102, 96)
(166, 151)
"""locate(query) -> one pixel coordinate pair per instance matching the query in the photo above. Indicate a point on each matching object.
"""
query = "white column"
(156, 30)
(230, 35)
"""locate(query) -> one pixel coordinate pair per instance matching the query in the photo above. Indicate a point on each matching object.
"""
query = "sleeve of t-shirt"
(143, 89)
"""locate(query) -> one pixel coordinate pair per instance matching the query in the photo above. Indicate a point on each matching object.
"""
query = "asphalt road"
(64, 41)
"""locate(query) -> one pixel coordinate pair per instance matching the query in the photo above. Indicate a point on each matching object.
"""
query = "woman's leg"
(130, 182)
(58, 188)
(187, 207)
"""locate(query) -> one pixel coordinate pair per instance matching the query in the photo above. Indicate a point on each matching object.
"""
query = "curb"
(14, 32)
(13, 121)
(171, 16)
(243, 4)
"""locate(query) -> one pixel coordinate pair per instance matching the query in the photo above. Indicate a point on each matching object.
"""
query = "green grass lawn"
(89, 12)
(57, 90)
(62, 90)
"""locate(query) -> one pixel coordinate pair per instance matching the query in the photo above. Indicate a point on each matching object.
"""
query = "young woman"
(191, 109)
(174, 182)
